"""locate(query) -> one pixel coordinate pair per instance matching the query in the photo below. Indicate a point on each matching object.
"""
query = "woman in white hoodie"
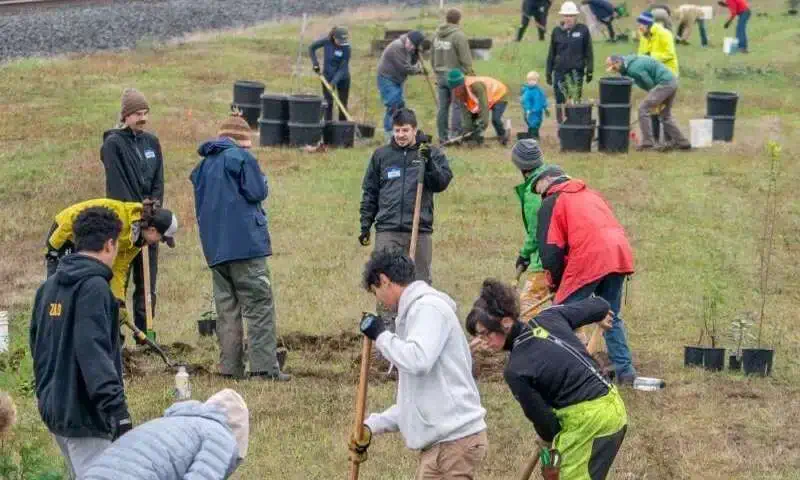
(438, 408)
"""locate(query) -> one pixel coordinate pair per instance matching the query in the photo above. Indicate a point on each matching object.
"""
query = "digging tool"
(342, 108)
(595, 344)
(457, 139)
(527, 471)
(361, 400)
(148, 305)
(140, 335)
(536, 305)
(428, 79)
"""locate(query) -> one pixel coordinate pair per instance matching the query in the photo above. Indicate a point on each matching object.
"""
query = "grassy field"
(695, 220)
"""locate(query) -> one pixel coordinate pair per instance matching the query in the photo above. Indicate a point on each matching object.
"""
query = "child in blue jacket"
(534, 104)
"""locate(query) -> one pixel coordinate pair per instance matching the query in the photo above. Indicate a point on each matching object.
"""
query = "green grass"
(694, 220)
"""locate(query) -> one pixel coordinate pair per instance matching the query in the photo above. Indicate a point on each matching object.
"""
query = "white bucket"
(481, 53)
(3, 332)
(708, 13)
(701, 132)
(730, 45)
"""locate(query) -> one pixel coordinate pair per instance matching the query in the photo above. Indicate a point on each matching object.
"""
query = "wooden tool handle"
(339, 103)
(595, 345)
(412, 250)
(537, 305)
(361, 399)
(148, 300)
(527, 471)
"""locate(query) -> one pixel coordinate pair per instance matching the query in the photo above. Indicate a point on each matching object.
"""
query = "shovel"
(140, 335)
(341, 106)
(148, 298)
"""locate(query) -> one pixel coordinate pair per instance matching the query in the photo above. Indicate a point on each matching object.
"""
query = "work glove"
(522, 262)
(480, 126)
(588, 77)
(358, 446)
(547, 113)
(363, 239)
(121, 427)
(425, 152)
(316, 69)
(728, 23)
(372, 326)
(549, 78)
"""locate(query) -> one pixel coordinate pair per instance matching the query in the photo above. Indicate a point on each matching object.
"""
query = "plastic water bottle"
(3, 331)
(183, 390)
(648, 384)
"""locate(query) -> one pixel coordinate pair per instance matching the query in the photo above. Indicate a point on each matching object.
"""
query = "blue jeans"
(610, 288)
(392, 96)
(701, 27)
(741, 29)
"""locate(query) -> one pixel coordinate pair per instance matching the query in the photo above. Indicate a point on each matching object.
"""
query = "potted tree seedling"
(713, 357)
(574, 111)
(207, 324)
(740, 334)
(758, 361)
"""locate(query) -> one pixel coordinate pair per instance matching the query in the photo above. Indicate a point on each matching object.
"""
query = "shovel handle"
(361, 399)
(339, 103)
(527, 470)
(148, 300)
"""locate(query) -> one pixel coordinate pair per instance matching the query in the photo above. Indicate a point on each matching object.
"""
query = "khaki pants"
(661, 95)
(80, 452)
(402, 241)
(454, 460)
(534, 291)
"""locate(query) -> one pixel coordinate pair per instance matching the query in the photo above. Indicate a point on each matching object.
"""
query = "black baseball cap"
(167, 225)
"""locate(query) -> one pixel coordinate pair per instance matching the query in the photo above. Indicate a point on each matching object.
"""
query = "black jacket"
(76, 350)
(543, 376)
(134, 165)
(570, 50)
(389, 189)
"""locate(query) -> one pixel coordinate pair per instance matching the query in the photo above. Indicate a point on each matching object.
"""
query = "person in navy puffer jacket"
(192, 441)
(336, 47)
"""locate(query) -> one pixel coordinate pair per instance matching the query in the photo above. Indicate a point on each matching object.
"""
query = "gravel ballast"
(122, 24)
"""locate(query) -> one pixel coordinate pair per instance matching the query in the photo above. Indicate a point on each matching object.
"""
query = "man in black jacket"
(75, 345)
(389, 191)
(570, 57)
(134, 169)
(538, 9)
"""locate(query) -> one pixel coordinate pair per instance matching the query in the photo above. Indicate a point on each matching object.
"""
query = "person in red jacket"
(584, 251)
(741, 9)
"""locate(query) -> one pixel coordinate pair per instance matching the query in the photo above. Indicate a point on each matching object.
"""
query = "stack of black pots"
(721, 108)
(614, 132)
(247, 98)
(576, 131)
(273, 126)
(305, 115)
(339, 134)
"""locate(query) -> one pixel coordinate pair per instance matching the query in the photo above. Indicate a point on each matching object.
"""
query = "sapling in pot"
(207, 324)
(573, 111)
(713, 358)
(740, 334)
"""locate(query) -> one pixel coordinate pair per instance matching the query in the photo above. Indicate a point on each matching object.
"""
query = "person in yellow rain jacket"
(140, 223)
(657, 42)
(479, 96)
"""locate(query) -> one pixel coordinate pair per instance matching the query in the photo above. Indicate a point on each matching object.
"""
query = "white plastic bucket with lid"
(730, 45)
(708, 12)
(3, 331)
(701, 132)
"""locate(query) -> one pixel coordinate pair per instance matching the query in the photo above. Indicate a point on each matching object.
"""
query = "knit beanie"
(237, 414)
(236, 127)
(646, 18)
(547, 170)
(132, 102)
(416, 37)
(527, 155)
(455, 77)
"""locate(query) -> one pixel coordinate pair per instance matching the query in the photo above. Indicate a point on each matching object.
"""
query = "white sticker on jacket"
(338, 53)
(393, 172)
(149, 154)
(576, 34)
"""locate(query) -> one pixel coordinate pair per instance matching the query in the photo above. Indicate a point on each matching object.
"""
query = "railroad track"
(12, 6)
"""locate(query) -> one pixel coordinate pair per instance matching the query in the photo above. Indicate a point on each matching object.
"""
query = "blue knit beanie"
(646, 18)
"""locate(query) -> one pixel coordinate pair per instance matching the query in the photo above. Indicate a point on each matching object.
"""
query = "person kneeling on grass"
(438, 409)
(192, 440)
(573, 407)
(480, 98)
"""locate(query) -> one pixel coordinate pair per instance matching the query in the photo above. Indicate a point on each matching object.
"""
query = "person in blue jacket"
(229, 187)
(605, 13)
(336, 47)
(534, 104)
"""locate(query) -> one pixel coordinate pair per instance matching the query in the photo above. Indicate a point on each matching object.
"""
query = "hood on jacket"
(76, 267)
(213, 147)
(446, 29)
(121, 131)
(416, 290)
(238, 417)
(626, 62)
(527, 88)
(565, 184)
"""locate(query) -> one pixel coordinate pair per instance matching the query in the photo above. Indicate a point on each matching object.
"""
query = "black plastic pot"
(714, 359)
(480, 43)
(275, 107)
(577, 114)
(723, 127)
(523, 135)
(757, 361)
(734, 363)
(366, 130)
(302, 134)
(305, 109)
(249, 112)
(247, 92)
(613, 139)
(576, 138)
(206, 328)
(721, 104)
(614, 115)
(394, 34)
(693, 356)
(272, 132)
(339, 134)
(615, 90)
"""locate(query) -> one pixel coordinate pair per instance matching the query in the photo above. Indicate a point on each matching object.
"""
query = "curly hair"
(496, 301)
(94, 227)
(393, 263)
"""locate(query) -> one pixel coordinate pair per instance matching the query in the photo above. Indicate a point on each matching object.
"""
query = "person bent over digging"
(575, 410)
(662, 86)
(481, 99)
(142, 224)
(229, 187)
(438, 407)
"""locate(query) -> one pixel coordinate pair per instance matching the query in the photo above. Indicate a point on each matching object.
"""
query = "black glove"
(316, 69)
(358, 446)
(728, 23)
(372, 325)
(549, 79)
(480, 126)
(121, 427)
(588, 77)
(523, 262)
(364, 238)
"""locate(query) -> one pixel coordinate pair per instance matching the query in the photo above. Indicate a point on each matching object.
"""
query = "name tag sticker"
(149, 154)
(338, 53)
(576, 34)
(393, 173)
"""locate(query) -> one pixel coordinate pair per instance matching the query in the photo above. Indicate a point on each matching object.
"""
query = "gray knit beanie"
(527, 155)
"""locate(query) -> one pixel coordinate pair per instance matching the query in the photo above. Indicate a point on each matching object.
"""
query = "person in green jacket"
(527, 157)
(450, 50)
(662, 86)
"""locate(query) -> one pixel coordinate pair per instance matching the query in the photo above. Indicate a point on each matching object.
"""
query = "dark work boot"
(275, 377)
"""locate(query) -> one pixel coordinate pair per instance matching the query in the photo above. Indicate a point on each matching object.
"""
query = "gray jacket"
(397, 63)
(192, 441)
